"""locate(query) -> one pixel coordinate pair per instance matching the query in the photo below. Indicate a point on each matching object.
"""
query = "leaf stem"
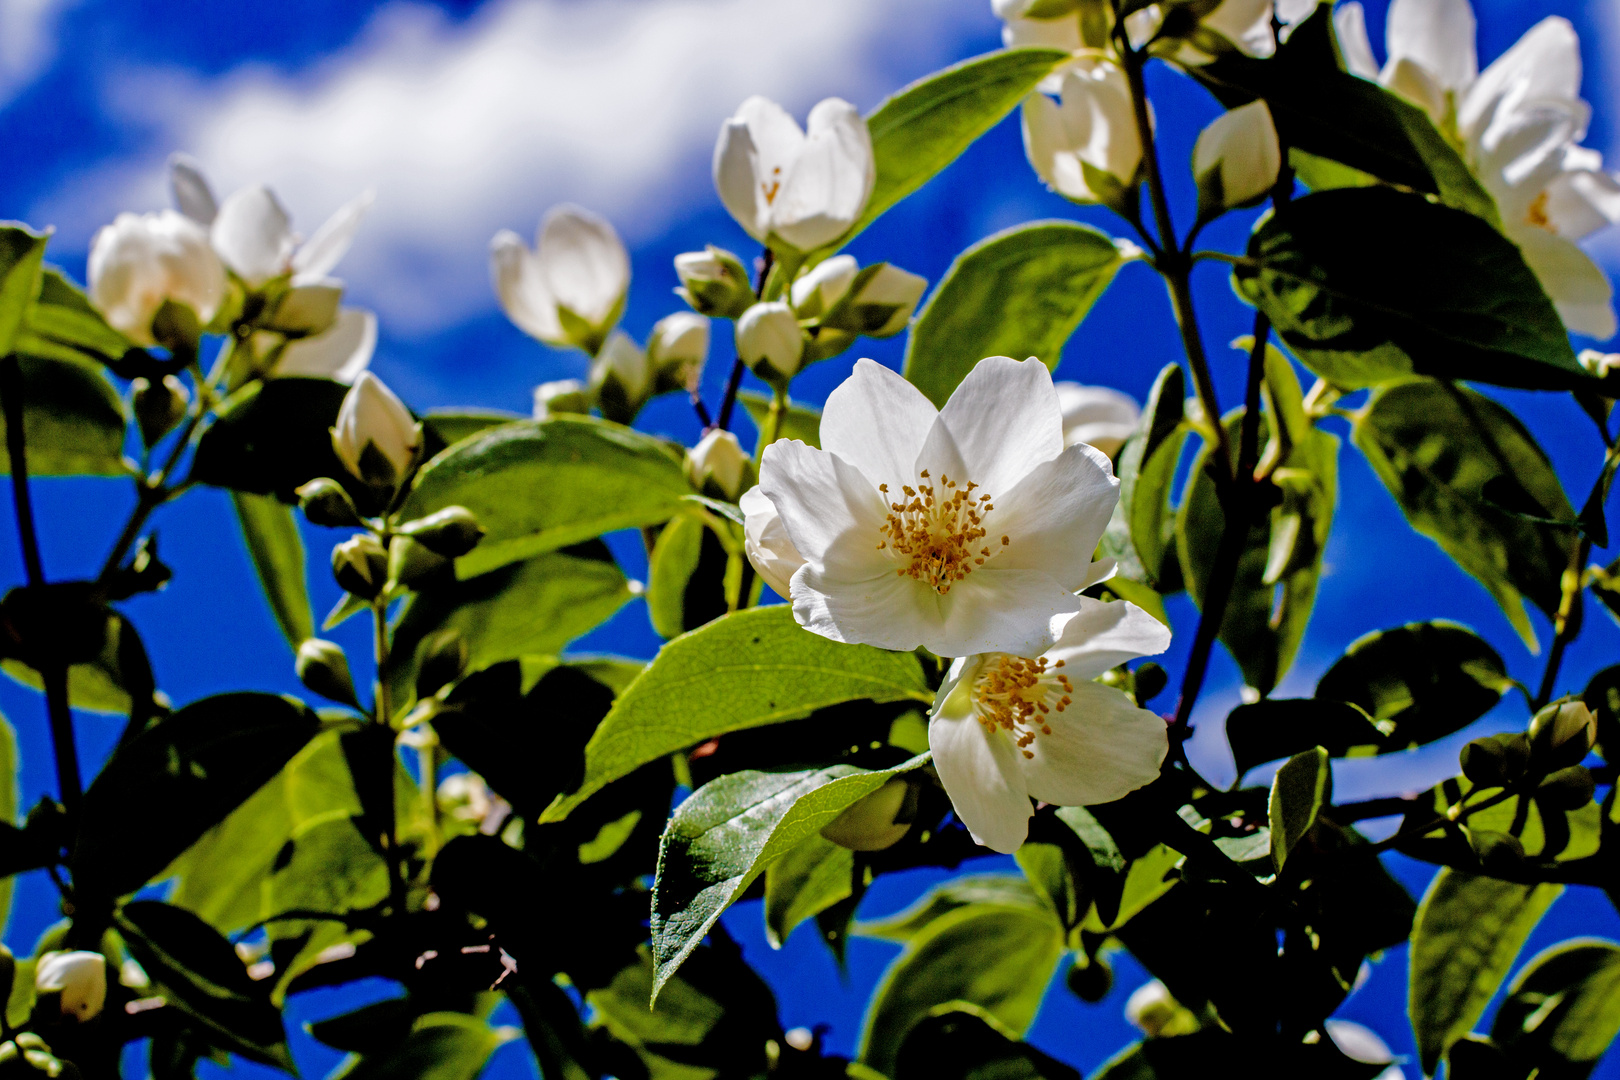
(381, 716)
(773, 420)
(728, 403)
(152, 491)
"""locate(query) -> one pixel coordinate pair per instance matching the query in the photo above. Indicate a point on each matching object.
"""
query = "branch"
(728, 403)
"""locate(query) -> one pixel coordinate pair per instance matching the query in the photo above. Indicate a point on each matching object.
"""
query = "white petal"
(1412, 81)
(777, 140)
(253, 235)
(1544, 64)
(1526, 148)
(521, 290)
(878, 608)
(831, 512)
(341, 353)
(736, 176)
(583, 262)
(308, 307)
(1103, 635)
(1350, 20)
(1581, 202)
(1438, 35)
(995, 610)
(767, 542)
(1045, 143)
(828, 281)
(1063, 33)
(982, 778)
(1246, 24)
(826, 188)
(1579, 289)
(877, 421)
(1055, 516)
(192, 195)
(1088, 404)
(1102, 747)
(1005, 419)
(321, 254)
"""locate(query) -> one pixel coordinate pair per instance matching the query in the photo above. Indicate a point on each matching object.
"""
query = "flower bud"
(770, 342)
(323, 668)
(79, 977)
(360, 565)
(444, 659)
(1567, 789)
(158, 408)
(141, 261)
(375, 437)
(677, 350)
(714, 282)
(718, 458)
(559, 397)
(621, 378)
(1151, 1008)
(1599, 364)
(879, 303)
(766, 542)
(1090, 982)
(1085, 146)
(1562, 734)
(450, 532)
(1498, 851)
(880, 820)
(818, 290)
(409, 561)
(306, 310)
(464, 802)
(1098, 416)
(326, 503)
(1236, 159)
(1495, 760)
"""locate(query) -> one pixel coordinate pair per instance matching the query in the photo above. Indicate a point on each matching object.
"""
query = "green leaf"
(802, 422)
(746, 670)
(107, 683)
(803, 883)
(274, 437)
(73, 420)
(1469, 931)
(270, 532)
(956, 1043)
(1465, 471)
(670, 567)
(326, 865)
(1563, 1010)
(62, 324)
(451, 426)
(440, 1046)
(926, 126)
(537, 486)
(532, 608)
(8, 802)
(1298, 792)
(185, 772)
(1546, 832)
(1278, 728)
(729, 830)
(995, 957)
(201, 975)
(1018, 293)
(1419, 682)
(1458, 303)
(1147, 465)
(21, 253)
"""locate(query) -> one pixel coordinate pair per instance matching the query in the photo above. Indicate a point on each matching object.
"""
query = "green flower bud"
(450, 532)
(360, 565)
(410, 561)
(326, 503)
(714, 282)
(444, 658)
(1496, 850)
(1567, 789)
(878, 821)
(1562, 734)
(158, 408)
(1495, 760)
(1090, 982)
(323, 668)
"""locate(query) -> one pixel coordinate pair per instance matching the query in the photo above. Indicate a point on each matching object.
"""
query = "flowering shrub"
(972, 560)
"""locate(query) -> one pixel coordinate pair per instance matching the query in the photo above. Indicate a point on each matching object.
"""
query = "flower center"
(940, 535)
(1016, 695)
(773, 187)
(1537, 214)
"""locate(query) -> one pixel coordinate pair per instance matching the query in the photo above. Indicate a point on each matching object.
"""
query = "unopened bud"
(878, 821)
(1495, 760)
(1236, 159)
(1090, 982)
(1562, 734)
(79, 977)
(879, 302)
(561, 396)
(8, 970)
(323, 668)
(770, 342)
(159, 407)
(677, 350)
(410, 561)
(620, 377)
(714, 282)
(450, 532)
(326, 503)
(360, 565)
(1567, 789)
(1159, 1015)
(718, 461)
(375, 436)
(444, 658)
(1496, 850)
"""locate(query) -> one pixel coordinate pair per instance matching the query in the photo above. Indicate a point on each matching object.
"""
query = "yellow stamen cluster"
(938, 534)
(773, 187)
(1536, 213)
(1016, 695)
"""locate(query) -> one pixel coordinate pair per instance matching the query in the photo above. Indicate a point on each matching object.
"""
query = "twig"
(728, 403)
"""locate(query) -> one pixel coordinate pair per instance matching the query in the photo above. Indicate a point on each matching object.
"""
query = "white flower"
(804, 189)
(81, 979)
(766, 541)
(561, 397)
(1521, 122)
(1062, 32)
(340, 353)
(141, 260)
(718, 457)
(253, 234)
(1236, 158)
(1092, 129)
(678, 348)
(1006, 729)
(770, 342)
(880, 305)
(1361, 1044)
(1099, 416)
(964, 530)
(570, 289)
(375, 435)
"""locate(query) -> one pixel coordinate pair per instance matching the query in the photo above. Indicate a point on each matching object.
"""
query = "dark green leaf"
(1458, 303)
(1279, 728)
(271, 533)
(274, 437)
(670, 569)
(21, 252)
(746, 670)
(1147, 465)
(803, 883)
(450, 427)
(1563, 1010)
(996, 890)
(802, 422)
(440, 1046)
(962, 1044)
(1469, 931)
(62, 324)
(1298, 792)
(1018, 293)
(1437, 447)
(73, 420)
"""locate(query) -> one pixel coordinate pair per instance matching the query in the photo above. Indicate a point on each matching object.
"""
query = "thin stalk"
(773, 420)
(152, 493)
(382, 717)
(728, 403)
(1567, 624)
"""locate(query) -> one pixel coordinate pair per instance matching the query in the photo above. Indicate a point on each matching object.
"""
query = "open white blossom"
(1006, 728)
(804, 188)
(141, 260)
(569, 290)
(1099, 416)
(375, 435)
(1521, 122)
(340, 353)
(963, 530)
(766, 541)
(1092, 128)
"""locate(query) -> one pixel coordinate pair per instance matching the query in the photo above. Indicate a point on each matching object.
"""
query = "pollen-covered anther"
(937, 533)
(1013, 695)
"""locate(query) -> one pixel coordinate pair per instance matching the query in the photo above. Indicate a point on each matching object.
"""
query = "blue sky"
(470, 117)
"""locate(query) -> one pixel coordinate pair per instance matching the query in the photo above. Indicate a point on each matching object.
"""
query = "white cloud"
(467, 128)
(27, 42)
